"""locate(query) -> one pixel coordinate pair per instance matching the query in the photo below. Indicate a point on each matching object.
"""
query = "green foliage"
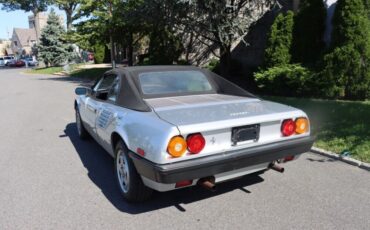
(164, 47)
(70, 8)
(34, 6)
(99, 53)
(308, 32)
(347, 66)
(285, 80)
(53, 49)
(213, 64)
(280, 41)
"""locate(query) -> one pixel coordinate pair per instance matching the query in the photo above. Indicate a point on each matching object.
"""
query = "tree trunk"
(69, 20)
(225, 61)
(130, 52)
(112, 54)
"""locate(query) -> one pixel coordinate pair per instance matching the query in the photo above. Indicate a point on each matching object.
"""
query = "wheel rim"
(78, 122)
(122, 171)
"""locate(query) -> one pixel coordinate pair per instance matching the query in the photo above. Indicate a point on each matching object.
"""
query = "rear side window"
(174, 82)
(105, 83)
(1, 59)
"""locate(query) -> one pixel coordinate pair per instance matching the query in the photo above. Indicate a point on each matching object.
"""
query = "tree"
(70, 8)
(308, 32)
(223, 24)
(34, 6)
(347, 65)
(53, 49)
(280, 40)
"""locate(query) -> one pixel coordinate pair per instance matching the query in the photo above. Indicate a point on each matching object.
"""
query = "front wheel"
(82, 132)
(129, 181)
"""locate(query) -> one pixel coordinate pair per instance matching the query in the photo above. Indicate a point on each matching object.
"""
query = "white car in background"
(8, 59)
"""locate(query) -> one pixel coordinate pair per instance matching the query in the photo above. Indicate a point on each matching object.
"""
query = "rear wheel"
(82, 132)
(129, 181)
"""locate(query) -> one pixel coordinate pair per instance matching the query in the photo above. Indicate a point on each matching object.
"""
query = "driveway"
(49, 179)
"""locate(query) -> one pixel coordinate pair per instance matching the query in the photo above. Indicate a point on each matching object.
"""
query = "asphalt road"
(49, 179)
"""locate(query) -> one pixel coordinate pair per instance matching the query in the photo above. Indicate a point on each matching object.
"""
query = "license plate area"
(245, 134)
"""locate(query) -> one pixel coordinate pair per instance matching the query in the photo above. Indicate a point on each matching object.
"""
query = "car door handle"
(91, 108)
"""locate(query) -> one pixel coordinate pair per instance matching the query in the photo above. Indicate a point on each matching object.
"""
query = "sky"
(15, 19)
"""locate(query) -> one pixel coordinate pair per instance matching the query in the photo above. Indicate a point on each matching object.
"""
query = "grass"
(49, 70)
(74, 71)
(339, 125)
(89, 74)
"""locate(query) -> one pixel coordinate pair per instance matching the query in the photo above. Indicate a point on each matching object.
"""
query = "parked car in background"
(30, 62)
(2, 62)
(7, 59)
(170, 127)
(16, 63)
(90, 57)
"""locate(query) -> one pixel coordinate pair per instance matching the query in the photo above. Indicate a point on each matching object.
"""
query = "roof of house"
(25, 35)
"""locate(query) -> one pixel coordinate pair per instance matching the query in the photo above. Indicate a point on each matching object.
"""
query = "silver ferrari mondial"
(171, 127)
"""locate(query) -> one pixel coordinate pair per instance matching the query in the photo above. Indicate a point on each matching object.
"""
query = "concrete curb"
(347, 160)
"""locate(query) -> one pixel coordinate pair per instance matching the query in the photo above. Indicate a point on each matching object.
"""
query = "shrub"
(347, 66)
(213, 64)
(285, 80)
(279, 41)
(308, 32)
(99, 53)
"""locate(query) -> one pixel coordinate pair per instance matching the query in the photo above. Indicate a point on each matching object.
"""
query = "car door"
(94, 102)
(105, 123)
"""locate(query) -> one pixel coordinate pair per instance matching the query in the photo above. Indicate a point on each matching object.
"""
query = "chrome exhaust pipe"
(207, 183)
(276, 167)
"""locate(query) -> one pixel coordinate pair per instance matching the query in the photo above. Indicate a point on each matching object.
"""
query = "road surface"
(49, 179)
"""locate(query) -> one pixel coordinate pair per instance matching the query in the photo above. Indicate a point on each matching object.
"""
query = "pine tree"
(308, 32)
(280, 41)
(347, 66)
(53, 49)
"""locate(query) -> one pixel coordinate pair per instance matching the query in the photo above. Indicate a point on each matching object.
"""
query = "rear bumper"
(220, 163)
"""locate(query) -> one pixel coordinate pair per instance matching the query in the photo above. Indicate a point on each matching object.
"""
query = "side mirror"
(81, 91)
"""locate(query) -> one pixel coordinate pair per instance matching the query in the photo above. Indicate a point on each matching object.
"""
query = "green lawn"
(74, 71)
(338, 125)
(90, 74)
(49, 70)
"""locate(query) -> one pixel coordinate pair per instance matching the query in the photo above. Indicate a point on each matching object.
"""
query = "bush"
(285, 80)
(308, 32)
(280, 40)
(99, 53)
(213, 64)
(347, 66)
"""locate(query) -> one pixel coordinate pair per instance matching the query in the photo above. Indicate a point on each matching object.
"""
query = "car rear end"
(2, 63)
(220, 137)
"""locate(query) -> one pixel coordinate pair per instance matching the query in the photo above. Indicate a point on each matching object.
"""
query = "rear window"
(174, 82)
(1, 59)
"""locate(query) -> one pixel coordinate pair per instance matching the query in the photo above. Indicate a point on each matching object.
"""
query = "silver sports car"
(170, 127)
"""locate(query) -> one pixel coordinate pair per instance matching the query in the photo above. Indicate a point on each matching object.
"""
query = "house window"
(15, 43)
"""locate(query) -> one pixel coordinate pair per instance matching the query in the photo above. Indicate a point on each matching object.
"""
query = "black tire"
(82, 132)
(135, 190)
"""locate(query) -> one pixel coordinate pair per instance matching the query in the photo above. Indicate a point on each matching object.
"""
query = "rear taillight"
(288, 127)
(195, 142)
(301, 125)
(177, 146)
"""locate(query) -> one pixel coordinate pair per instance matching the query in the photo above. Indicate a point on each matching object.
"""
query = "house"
(5, 48)
(22, 41)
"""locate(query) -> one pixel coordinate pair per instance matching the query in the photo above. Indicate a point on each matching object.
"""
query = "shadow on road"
(85, 82)
(100, 170)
